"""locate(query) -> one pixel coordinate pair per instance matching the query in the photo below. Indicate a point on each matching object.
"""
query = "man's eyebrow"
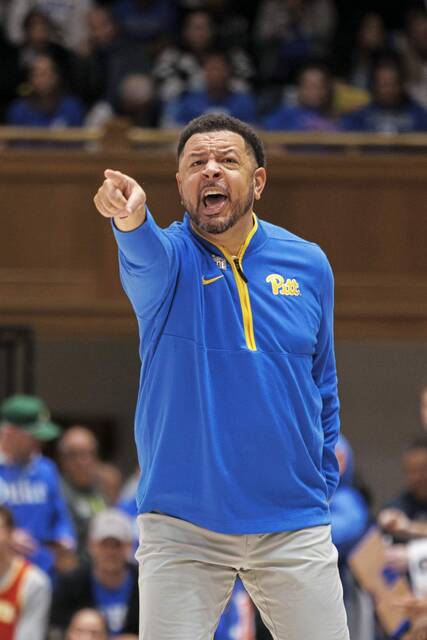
(221, 151)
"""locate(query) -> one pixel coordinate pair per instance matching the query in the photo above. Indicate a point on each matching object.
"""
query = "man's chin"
(218, 225)
(213, 224)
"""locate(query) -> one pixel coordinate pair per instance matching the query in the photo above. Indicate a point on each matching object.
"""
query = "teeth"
(211, 192)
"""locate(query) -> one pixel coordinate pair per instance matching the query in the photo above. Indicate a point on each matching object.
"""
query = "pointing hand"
(122, 198)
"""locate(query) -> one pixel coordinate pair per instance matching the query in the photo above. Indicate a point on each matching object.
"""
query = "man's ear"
(178, 182)
(260, 178)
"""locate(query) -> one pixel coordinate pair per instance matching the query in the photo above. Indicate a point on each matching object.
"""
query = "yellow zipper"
(242, 287)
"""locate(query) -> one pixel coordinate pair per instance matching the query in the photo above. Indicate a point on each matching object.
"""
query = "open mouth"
(214, 201)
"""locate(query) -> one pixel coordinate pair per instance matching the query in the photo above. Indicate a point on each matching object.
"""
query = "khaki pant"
(187, 574)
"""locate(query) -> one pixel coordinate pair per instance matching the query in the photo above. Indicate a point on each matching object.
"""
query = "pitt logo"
(279, 285)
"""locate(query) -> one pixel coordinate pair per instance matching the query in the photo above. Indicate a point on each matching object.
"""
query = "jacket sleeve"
(148, 265)
(325, 378)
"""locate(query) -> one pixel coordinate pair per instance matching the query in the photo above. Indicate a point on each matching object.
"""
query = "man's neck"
(232, 239)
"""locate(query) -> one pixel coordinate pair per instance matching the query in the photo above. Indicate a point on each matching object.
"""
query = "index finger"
(119, 179)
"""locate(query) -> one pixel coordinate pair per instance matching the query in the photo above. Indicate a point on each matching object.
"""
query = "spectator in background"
(106, 60)
(405, 517)
(150, 22)
(68, 19)
(87, 624)
(25, 590)
(109, 583)
(137, 100)
(48, 104)
(370, 42)
(414, 50)
(288, 32)
(217, 96)
(391, 109)
(38, 39)
(30, 485)
(78, 460)
(313, 111)
(110, 480)
(179, 69)
(350, 520)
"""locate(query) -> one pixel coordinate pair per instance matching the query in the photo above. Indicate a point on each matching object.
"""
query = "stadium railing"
(118, 135)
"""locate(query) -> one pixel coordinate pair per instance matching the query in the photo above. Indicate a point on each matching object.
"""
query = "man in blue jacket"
(237, 415)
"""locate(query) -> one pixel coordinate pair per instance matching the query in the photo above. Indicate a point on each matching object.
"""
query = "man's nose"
(212, 169)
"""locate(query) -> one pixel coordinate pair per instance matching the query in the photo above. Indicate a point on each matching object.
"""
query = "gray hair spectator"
(79, 461)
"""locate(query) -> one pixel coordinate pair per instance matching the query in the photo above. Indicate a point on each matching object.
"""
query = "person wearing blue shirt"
(313, 111)
(217, 95)
(47, 105)
(237, 416)
(391, 109)
(108, 582)
(30, 483)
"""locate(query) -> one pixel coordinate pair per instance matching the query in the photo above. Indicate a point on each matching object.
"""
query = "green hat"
(31, 414)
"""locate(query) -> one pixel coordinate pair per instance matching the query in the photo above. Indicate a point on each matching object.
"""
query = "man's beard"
(238, 210)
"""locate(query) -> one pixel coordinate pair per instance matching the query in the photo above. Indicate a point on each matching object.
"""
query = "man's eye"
(230, 160)
(196, 163)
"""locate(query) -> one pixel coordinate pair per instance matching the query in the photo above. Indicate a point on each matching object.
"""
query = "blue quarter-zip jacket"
(237, 414)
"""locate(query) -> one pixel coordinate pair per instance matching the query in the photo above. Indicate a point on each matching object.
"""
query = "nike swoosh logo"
(204, 281)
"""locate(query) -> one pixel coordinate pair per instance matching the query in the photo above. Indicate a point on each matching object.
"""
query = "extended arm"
(147, 257)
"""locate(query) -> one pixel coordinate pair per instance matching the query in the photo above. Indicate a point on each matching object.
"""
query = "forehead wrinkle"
(215, 149)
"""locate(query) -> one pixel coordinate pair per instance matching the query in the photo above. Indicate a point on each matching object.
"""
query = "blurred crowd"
(68, 537)
(295, 65)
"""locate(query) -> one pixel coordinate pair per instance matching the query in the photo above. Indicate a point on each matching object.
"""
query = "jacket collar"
(254, 240)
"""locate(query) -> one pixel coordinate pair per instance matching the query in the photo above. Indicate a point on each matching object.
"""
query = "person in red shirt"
(25, 591)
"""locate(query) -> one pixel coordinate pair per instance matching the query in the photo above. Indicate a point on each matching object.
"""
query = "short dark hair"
(223, 122)
(7, 518)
